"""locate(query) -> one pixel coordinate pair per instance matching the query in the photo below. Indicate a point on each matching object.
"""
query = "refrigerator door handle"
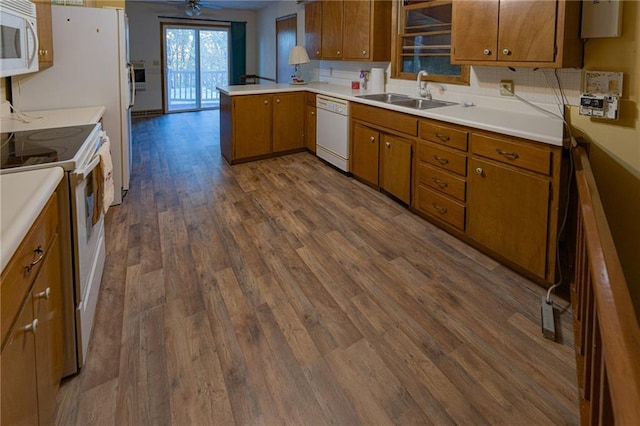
(132, 85)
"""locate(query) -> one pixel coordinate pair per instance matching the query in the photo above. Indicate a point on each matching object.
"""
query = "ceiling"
(224, 4)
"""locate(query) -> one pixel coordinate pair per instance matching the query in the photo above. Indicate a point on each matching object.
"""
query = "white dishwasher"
(332, 131)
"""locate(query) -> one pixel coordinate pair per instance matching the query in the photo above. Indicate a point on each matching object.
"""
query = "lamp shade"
(298, 55)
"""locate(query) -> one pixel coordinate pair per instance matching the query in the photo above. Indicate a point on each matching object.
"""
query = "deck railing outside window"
(183, 85)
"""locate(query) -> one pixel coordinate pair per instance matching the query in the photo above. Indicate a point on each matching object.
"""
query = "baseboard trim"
(146, 113)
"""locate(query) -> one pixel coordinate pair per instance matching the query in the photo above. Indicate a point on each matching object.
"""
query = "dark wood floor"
(283, 292)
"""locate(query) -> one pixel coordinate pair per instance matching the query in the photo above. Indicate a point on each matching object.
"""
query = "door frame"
(189, 25)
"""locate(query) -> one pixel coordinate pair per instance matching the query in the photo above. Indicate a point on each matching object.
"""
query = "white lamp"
(298, 55)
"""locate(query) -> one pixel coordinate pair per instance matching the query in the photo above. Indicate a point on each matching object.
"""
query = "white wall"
(145, 42)
(267, 34)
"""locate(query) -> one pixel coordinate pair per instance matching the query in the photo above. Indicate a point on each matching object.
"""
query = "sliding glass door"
(196, 61)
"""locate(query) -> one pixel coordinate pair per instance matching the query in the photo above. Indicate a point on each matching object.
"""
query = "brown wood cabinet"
(441, 173)
(365, 154)
(288, 121)
(350, 30)
(513, 200)
(32, 334)
(258, 126)
(382, 149)
(517, 33)
(45, 34)
(395, 166)
(313, 29)
(310, 123)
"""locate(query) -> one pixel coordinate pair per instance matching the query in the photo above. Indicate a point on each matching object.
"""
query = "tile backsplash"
(538, 85)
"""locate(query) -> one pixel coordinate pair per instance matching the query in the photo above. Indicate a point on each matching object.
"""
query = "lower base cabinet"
(255, 126)
(32, 358)
(395, 167)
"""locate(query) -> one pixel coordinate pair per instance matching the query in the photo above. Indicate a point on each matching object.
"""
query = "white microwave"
(18, 37)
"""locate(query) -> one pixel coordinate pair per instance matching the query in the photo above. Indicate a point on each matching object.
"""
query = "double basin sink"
(405, 101)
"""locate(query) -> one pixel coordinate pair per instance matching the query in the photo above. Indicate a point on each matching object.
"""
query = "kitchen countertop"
(23, 195)
(535, 126)
(48, 119)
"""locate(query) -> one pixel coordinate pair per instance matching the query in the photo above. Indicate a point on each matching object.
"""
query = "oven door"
(89, 251)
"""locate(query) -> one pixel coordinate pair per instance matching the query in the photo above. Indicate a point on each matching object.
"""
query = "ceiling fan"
(193, 7)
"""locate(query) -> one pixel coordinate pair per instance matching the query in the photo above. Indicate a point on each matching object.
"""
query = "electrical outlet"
(506, 88)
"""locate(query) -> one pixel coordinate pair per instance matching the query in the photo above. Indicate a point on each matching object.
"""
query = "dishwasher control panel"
(339, 106)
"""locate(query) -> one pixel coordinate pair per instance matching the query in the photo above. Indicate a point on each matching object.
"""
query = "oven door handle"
(81, 174)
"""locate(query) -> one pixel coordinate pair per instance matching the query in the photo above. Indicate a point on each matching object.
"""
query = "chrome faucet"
(423, 90)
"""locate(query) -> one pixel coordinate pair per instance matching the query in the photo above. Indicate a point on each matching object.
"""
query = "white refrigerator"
(91, 67)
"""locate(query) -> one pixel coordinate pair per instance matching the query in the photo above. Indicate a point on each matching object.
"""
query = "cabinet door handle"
(364, 53)
(44, 294)
(338, 53)
(318, 52)
(372, 139)
(486, 52)
(40, 253)
(388, 144)
(443, 138)
(439, 209)
(440, 159)
(265, 102)
(33, 326)
(278, 100)
(509, 155)
(506, 51)
(440, 183)
(479, 170)
(43, 52)
(313, 113)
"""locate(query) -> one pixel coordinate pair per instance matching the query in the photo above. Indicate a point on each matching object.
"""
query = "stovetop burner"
(43, 146)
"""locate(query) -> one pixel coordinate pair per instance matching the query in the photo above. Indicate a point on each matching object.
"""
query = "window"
(423, 42)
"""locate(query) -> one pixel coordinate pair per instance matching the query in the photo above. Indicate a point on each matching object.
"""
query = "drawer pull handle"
(33, 326)
(44, 294)
(479, 170)
(439, 209)
(440, 159)
(40, 254)
(506, 51)
(440, 183)
(486, 52)
(443, 138)
(509, 155)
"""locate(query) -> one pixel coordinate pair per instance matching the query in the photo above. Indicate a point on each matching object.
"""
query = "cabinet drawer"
(441, 157)
(397, 121)
(442, 181)
(443, 134)
(521, 154)
(441, 207)
(16, 278)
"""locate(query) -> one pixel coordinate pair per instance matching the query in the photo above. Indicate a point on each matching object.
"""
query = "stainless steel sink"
(385, 97)
(422, 103)
(404, 100)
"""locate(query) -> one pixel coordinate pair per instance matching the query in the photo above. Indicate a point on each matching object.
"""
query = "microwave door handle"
(81, 174)
(34, 52)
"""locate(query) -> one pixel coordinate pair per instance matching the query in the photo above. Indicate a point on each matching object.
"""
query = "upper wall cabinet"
(517, 33)
(349, 30)
(313, 29)
(45, 34)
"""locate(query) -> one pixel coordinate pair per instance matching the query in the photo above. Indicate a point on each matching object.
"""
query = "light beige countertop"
(23, 195)
(49, 119)
(533, 126)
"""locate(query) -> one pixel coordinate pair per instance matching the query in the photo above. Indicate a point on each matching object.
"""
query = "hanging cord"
(19, 115)
(566, 207)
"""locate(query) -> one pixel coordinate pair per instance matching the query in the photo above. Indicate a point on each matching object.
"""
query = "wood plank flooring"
(281, 292)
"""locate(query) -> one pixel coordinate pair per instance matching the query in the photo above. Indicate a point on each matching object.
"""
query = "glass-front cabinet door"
(423, 42)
